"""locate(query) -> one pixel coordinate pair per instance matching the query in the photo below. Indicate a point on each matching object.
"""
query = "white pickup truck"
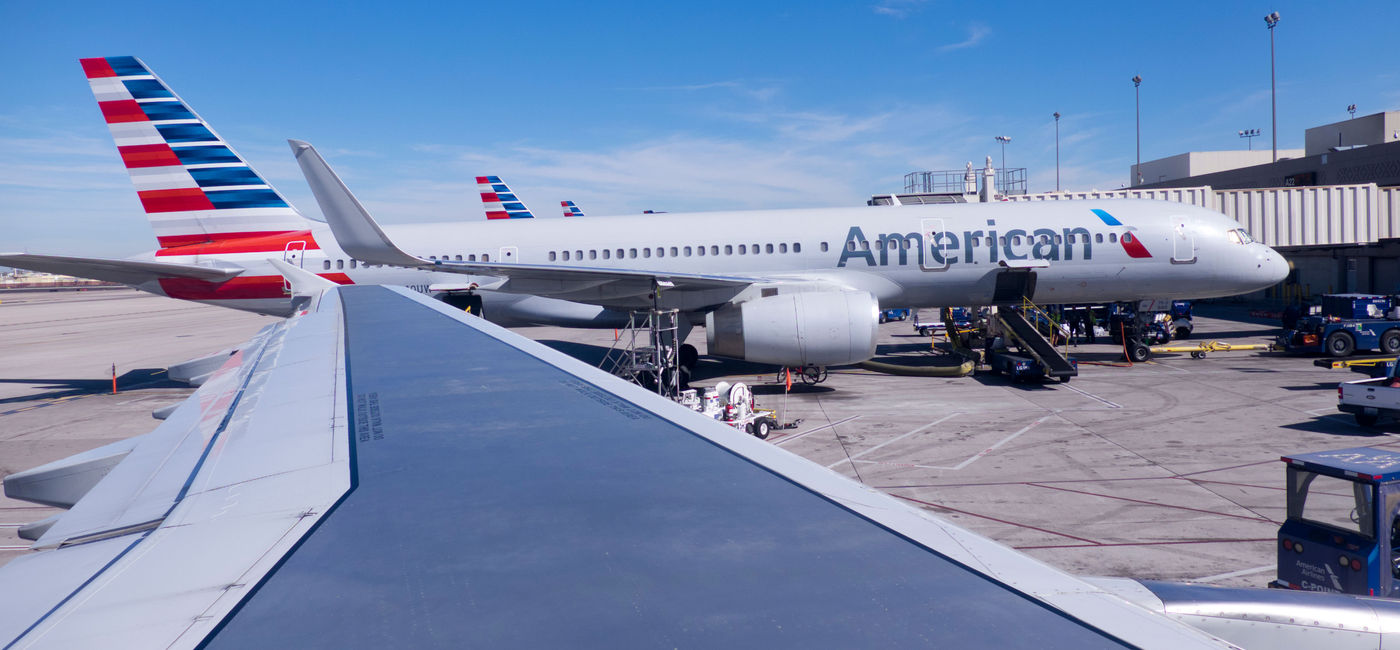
(1369, 399)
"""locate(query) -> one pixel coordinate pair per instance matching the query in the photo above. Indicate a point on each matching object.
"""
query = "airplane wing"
(376, 471)
(362, 238)
(123, 271)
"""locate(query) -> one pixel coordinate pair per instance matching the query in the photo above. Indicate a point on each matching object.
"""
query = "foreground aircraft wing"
(375, 472)
(360, 237)
(123, 271)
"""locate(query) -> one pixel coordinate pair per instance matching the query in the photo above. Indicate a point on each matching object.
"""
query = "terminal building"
(1332, 209)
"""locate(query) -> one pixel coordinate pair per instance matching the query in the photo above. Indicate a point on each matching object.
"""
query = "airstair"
(646, 352)
(1032, 341)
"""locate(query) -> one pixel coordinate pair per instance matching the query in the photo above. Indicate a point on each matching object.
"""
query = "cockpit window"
(1239, 236)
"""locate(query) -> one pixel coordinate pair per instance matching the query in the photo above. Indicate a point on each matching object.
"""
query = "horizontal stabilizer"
(123, 271)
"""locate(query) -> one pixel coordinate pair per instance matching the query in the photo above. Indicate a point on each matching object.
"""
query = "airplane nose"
(1272, 268)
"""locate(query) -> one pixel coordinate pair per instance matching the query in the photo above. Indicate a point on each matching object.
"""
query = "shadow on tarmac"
(141, 378)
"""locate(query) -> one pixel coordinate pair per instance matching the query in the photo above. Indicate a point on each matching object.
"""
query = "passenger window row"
(676, 251)
(342, 264)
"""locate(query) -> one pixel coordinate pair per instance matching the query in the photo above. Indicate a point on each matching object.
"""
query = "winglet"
(306, 287)
(355, 231)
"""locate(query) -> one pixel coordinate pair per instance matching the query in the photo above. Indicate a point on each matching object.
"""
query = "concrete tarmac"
(1163, 470)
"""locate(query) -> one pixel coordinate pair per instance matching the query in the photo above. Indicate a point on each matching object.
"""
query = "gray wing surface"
(383, 471)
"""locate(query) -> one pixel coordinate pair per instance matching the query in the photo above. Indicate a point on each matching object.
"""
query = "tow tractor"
(1345, 323)
(1341, 534)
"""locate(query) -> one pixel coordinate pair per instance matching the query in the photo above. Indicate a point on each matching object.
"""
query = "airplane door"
(929, 261)
(294, 252)
(509, 254)
(1183, 245)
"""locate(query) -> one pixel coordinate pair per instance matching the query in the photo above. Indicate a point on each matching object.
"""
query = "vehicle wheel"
(1139, 352)
(1064, 379)
(1390, 342)
(1339, 344)
(883, 320)
(761, 428)
(1198, 355)
(814, 374)
(1366, 420)
(1182, 333)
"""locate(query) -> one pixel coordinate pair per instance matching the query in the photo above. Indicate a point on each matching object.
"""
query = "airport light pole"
(1057, 151)
(1250, 134)
(1271, 20)
(1137, 109)
(1351, 109)
(1003, 140)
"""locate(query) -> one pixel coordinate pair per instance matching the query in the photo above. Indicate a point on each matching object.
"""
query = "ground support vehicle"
(1199, 350)
(734, 406)
(1341, 533)
(1345, 323)
(962, 319)
(1370, 399)
(1019, 367)
(887, 315)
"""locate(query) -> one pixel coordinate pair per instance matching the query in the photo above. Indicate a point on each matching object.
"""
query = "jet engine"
(823, 328)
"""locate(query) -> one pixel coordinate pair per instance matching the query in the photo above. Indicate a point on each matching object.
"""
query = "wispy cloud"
(899, 9)
(976, 32)
(762, 93)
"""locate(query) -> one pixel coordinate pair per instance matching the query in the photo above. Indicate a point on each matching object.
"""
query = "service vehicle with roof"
(1341, 533)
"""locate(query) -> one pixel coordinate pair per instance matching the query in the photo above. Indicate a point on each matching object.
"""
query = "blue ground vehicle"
(1345, 323)
(1341, 534)
(893, 314)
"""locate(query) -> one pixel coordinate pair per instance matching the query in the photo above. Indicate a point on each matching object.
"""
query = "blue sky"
(623, 107)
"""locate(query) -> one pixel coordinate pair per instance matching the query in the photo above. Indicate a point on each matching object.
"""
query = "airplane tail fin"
(499, 201)
(194, 187)
(570, 210)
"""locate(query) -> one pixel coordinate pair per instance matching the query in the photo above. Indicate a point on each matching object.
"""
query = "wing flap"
(109, 270)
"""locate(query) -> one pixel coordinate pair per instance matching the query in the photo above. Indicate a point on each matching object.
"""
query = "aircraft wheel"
(1366, 420)
(1339, 344)
(687, 356)
(1390, 342)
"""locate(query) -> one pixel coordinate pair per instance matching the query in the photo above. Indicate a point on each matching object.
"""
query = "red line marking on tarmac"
(1000, 521)
(1152, 503)
(1171, 543)
(1248, 485)
(1207, 471)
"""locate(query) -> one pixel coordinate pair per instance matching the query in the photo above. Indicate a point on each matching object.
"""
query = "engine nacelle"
(820, 328)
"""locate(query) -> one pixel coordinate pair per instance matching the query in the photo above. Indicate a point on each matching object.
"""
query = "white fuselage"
(906, 256)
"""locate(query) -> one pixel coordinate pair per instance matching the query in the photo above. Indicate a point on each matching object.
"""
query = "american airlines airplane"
(787, 287)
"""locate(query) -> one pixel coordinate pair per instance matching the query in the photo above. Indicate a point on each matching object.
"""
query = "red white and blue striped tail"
(570, 210)
(194, 187)
(499, 201)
